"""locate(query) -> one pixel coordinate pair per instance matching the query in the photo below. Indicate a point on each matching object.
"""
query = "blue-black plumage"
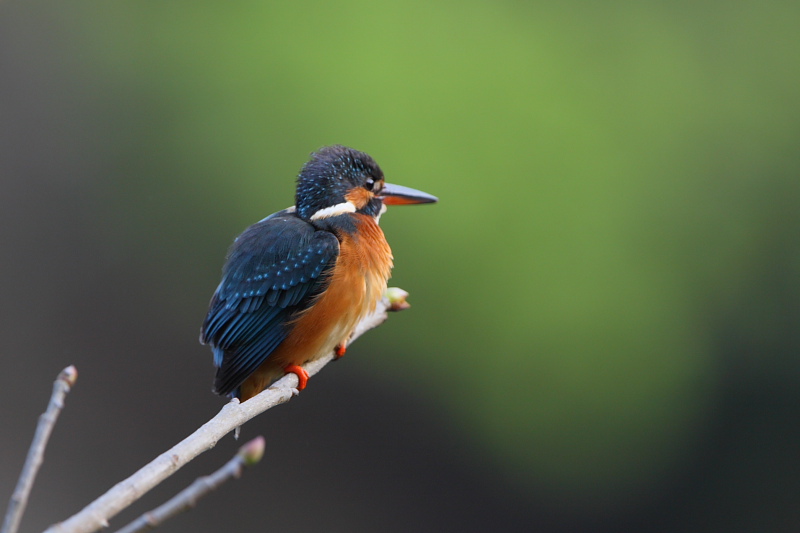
(285, 296)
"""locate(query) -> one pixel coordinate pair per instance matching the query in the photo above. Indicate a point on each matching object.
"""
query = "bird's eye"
(374, 185)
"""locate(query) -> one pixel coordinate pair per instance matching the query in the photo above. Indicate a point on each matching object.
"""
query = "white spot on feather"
(334, 210)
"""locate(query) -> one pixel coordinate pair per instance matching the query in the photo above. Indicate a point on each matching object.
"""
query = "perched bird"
(296, 284)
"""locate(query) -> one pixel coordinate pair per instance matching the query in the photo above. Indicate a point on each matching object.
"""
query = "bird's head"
(338, 180)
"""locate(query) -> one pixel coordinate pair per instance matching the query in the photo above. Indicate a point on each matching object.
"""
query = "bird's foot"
(340, 350)
(300, 372)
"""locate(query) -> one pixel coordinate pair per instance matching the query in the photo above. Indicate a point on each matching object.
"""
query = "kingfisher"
(295, 284)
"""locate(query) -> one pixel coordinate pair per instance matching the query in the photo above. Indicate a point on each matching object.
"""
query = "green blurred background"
(606, 301)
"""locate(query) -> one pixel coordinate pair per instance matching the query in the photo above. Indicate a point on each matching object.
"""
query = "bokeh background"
(605, 324)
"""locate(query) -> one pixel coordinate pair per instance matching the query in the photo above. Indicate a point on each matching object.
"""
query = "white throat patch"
(334, 210)
(382, 211)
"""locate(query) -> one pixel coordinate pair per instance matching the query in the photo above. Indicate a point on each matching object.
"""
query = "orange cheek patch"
(359, 197)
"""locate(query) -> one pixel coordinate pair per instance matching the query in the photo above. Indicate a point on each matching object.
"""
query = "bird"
(295, 284)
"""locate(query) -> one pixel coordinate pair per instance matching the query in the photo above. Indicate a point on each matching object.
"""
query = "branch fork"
(232, 415)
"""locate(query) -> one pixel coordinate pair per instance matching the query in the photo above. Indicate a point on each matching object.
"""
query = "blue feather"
(269, 277)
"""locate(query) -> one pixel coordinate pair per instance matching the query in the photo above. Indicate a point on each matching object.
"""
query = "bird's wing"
(273, 271)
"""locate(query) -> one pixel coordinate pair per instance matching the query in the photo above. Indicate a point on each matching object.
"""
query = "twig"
(248, 455)
(96, 515)
(19, 499)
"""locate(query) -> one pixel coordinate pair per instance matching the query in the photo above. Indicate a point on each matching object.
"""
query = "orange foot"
(300, 372)
(340, 350)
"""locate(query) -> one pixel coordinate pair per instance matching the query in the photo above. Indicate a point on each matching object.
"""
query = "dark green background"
(605, 324)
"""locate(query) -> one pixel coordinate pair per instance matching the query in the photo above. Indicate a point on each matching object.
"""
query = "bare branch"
(248, 455)
(19, 499)
(96, 515)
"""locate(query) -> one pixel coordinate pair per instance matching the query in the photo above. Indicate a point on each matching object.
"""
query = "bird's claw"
(302, 375)
(340, 350)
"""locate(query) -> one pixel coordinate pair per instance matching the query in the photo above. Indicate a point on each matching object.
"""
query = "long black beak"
(399, 195)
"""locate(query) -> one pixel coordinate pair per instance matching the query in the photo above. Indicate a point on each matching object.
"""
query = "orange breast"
(357, 283)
